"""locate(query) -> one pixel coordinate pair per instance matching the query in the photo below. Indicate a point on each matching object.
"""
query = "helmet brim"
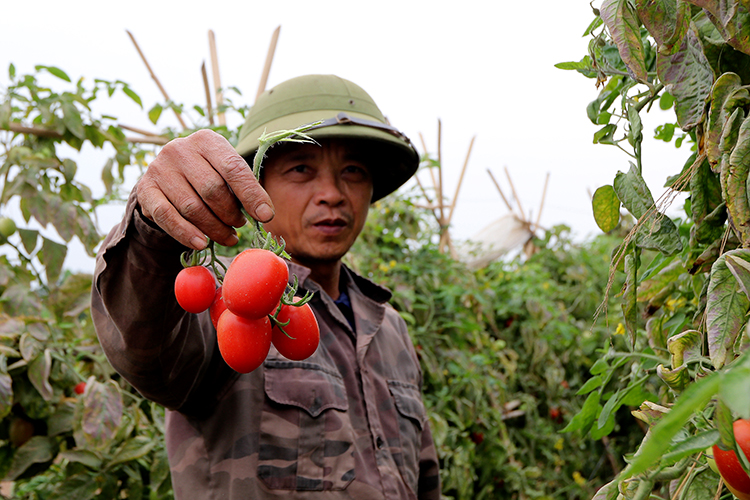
(401, 158)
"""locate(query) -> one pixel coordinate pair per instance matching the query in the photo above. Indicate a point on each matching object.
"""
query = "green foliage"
(108, 442)
(506, 350)
(503, 350)
(686, 305)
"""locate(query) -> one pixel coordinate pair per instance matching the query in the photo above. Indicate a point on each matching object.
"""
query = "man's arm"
(195, 187)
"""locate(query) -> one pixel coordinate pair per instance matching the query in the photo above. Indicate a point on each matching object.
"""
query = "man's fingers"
(184, 217)
(240, 179)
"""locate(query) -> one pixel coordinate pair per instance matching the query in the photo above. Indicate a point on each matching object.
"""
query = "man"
(348, 422)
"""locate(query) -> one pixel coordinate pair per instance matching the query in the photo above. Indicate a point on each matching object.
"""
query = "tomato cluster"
(249, 310)
(730, 468)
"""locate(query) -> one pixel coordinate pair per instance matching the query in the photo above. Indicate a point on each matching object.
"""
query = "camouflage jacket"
(347, 423)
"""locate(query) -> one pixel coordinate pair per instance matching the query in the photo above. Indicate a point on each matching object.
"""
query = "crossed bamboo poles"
(443, 212)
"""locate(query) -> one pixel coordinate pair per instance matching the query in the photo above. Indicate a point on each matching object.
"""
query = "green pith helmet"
(345, 109)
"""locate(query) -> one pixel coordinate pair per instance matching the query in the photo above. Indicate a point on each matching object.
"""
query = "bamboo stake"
(541, 204)
(429, 169)
(154, 77)
(269, 60)
(45, 132)
(441, 202)
(217, 78)
(515, 195)
(426, 197)
(502, 195)
(209, 110)
(460, 181)
(139, 130)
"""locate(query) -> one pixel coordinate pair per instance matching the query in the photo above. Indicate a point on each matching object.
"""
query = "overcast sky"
(485, 69)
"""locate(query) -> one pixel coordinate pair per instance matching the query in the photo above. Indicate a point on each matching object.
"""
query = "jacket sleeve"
(163, 351)
(429, 468)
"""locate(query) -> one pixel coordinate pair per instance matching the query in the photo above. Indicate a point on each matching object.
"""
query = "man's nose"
(330, 190)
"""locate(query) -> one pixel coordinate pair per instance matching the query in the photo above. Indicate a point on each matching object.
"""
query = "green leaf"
(688, 76)
(69, 169)
(677, 379)
(133, 449)
(656, 231)
(606, 208)
(107, 177)
(28, 238)
(584, 418)
(666, 20)
(61, 421)
(38, 372)
(600, 366)
(734, 389)
(590, 385)
(54, 71)
(724, 86)
(610, 407)
(704, 485)
(731, 20)
(691, 445)
(583, 66)
(734, 177)
(72, 120)
(38, 449)
(131, 93)
(666, 101)
(154, 113)
(685, 347)
(635, 130)
(740, 269)
(624, 26)
(5, 114)
(52, 256)
(724, 420)
(605, 135)
(6, 388)
(705, 194)
(726, 307)
(78, 486)
(85, 457)
(609, 491)
(666, 277)
(693, 399)
(101, 415)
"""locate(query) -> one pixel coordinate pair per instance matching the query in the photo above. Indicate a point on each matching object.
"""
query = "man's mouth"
(330, 226)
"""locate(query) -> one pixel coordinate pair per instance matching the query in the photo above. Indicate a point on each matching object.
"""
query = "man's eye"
(357, 170)
(299, 169)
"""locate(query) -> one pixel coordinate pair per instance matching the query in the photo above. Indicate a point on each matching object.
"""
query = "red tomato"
(254, 283)
(728, 463)
(243, 342)
(302, 327)
(217, 307)
(80, 388)
(194, 289)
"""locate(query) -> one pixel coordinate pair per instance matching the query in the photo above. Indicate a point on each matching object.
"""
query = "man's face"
(321, 195)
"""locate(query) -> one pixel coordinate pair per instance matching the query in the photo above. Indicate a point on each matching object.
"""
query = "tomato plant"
(254, 283)
(195, 289)
(679, 352)
(243, 342)
(729, 465)
(300, 338)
